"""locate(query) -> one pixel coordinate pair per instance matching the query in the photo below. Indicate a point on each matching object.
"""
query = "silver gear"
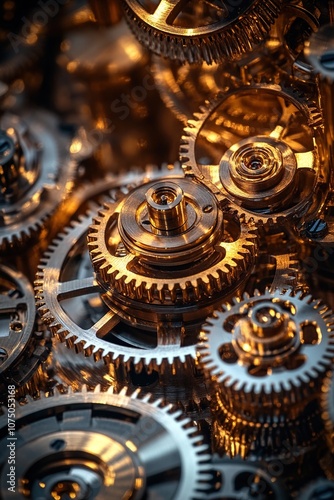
(237, 479)
(265, 153)
(29, 199)
(257, 363)
(99, 445)
(22, 346)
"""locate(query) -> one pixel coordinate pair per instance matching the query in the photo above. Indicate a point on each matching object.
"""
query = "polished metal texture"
(166, 185)
(100, 446)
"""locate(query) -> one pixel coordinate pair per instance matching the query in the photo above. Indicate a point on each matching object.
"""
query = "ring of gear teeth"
(196, 468)
(237, 259)
(187, 151)
(230, 42)
(296, 384)
(48, 280)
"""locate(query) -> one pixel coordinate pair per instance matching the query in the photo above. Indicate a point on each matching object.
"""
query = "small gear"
(36, 174)
(202, 31)
(99, 445)
(22, 347)
(240, 480)
(270, 350)
(165, 244)
(275, 155)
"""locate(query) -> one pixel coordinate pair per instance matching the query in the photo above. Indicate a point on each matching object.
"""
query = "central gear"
(268, 350)
(166, 243)
(99, 446)
(274, 155)
(201, 31)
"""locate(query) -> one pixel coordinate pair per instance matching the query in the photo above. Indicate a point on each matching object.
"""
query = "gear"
(270, 350)
(288, 441)
(165, 244)
(22, 346)
(93, 445)
(275, 155)
(36, 174)
(69, 302)
(206, 31)
(240, 480)
(68, 299)
(184, 87)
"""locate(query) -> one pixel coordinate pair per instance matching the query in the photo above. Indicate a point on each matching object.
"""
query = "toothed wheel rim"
(26, 217)
(124, 271)
(98, 445)
(229, 35)
(306, 365)
(209, 141)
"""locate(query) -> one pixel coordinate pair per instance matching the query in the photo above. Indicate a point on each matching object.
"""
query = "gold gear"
(203, 30)
(166, 243)
(269, 163)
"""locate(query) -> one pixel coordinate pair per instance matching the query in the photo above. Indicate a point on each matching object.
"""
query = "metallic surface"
(100, 446)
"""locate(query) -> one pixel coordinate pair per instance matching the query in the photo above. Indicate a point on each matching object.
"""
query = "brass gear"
(276, 155)
(202, 31)
(172, 252)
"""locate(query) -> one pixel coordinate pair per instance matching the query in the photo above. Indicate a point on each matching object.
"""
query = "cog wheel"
(287, 441)
(165, 243)
(206, 31)
(69, 302)
(22, 347)
(36, 174)
(270, 350)
(275, 155)
(240, 480)
(93, 445)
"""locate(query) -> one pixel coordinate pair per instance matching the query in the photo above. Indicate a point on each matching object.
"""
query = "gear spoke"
(77, 288)
(168, 10)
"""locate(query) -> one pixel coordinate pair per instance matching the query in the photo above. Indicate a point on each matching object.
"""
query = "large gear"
(205, 31)
(93, 445)
(275, 155)
(157, 237)
(37, 174)
(269, 349)
(23, 346)
(68, 299)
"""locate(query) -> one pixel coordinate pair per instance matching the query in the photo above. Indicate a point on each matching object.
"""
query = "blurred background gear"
(166, 183)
